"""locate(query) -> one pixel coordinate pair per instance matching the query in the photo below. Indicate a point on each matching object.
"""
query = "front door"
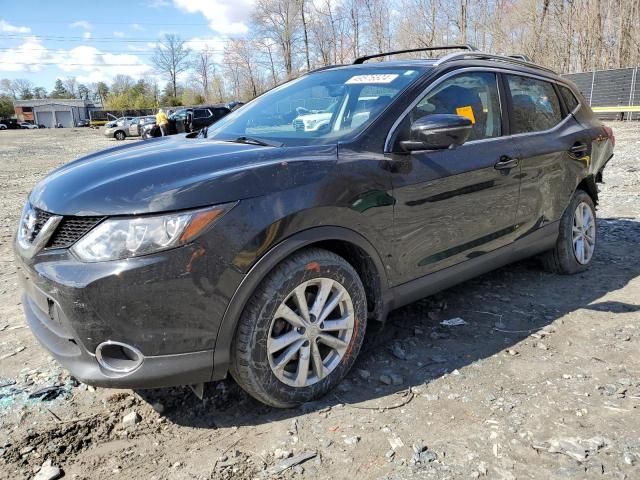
(457, 204)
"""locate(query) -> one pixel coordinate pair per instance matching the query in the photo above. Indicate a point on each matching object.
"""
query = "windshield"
(323, 107)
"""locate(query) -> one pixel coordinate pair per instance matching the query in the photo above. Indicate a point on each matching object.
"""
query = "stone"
(131, 419)
(48, 472)
(541, 346)
(158, 407)
(352, 440)
(398, 352)
(281, 454)
(364, 374)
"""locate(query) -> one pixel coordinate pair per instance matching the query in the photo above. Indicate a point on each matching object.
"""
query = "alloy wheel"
(310, 332)
(584, 233)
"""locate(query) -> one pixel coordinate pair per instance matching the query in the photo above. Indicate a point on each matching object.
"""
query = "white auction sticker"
(378, 78)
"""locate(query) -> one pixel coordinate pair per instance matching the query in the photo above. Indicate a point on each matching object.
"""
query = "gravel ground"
(542, 381)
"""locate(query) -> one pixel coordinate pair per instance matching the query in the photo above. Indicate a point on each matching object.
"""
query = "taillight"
(612, 137)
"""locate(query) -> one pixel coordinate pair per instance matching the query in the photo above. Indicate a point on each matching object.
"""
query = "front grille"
(298, 124)
(69, 231)
(41, 219)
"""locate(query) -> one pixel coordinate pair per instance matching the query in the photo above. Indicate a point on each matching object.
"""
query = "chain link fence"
(612, 94)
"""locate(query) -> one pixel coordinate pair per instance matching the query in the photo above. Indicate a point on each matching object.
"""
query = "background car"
(83, 123)
(118, 121)
(187, 120)
(27, 125)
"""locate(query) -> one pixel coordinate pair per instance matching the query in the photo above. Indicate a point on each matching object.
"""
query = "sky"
(42, 40)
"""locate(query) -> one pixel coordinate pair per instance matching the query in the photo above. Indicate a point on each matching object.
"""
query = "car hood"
(174, 173)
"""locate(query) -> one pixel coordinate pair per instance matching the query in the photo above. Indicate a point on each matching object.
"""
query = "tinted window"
(201, 113)
(471, 95)
(569, 98)
(535, 104)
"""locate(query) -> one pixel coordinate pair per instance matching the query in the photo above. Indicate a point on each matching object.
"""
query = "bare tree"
(278, 20)
(172, 58)
(71, 84)
(203, 65)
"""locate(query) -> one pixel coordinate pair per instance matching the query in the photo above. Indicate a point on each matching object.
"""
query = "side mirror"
(437, 132)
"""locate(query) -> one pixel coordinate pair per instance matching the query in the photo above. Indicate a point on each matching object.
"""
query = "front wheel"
(576, 244)
(301, 331)
(119, 135)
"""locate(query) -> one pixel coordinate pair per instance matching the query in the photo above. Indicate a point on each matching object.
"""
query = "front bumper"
(168, 306)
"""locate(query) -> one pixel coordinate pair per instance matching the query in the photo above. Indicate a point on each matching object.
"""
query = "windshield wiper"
(256, 141)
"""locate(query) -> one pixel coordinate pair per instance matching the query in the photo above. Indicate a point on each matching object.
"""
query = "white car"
(28, 125)
(3, 126)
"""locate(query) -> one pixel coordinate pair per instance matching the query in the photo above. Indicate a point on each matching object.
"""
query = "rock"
(25, 450)
(629, 458)
(512, 352)
(418, 447)
(430, 397)
(48, 472)
(398, 352)
(281, 454)
(352, 440)
(364, 374)
(395, 442)
(390, 454)
(541, 346)
(325, 442)
(131, 419)
(158, 407)
(386, 379)
(298, 469)
(391, 379)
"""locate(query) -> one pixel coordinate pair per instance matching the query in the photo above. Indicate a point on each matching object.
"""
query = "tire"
(567, 258)
(255, 352)
(119, 135)
(145, 136)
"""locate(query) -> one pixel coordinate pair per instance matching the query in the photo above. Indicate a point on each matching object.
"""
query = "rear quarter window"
(536, 106)
(569, 98)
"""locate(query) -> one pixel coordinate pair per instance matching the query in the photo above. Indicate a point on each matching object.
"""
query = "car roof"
(469, 57)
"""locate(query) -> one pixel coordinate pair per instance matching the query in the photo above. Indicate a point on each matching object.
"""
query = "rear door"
(554, 149)
(457, 204)
(201, 118)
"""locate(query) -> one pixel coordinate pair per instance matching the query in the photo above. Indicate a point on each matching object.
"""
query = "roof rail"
(465, 46)
(515, 59)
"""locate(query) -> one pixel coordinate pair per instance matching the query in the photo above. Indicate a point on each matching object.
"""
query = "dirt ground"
(542, 381)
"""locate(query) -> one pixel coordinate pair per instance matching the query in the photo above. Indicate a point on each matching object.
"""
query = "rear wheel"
(576, 244)
(301, 331)
(119, 135)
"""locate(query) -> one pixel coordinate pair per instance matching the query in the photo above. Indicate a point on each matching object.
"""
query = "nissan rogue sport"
(261, 249)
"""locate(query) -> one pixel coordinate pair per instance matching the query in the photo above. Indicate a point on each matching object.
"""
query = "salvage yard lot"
(541, 381)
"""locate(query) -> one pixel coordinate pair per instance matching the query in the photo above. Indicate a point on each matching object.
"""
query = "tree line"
(290, 37)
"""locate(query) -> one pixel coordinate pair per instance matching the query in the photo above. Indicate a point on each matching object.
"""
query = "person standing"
(163, 122)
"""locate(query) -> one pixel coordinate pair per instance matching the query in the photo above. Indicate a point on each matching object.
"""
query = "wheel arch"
(350, 245)
(588, 184)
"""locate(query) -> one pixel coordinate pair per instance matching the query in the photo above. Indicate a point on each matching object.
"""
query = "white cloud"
(136, 26)
(224, 16)
(89, 64)
(87, 35)
(6, 27)
(81, 24)
(159, 3)
(118, 34)
(27, 57)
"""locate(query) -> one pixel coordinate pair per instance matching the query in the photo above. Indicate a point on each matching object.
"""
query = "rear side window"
(535, 104)
(569, 98)
(472, 95)
(201, 113)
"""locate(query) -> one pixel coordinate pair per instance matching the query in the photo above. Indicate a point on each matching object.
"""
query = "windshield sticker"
(379, 78)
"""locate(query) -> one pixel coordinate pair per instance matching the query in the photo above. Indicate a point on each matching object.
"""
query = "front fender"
(224, 338)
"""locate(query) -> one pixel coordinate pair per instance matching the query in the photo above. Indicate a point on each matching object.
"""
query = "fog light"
(118, 357)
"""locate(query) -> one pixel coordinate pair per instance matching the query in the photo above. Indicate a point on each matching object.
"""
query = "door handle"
(579, 149)
(506, 163)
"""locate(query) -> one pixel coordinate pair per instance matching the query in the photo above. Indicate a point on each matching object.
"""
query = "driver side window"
(471, 95)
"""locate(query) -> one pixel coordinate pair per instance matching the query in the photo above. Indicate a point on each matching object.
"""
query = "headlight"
(310, 123)
(119, 238)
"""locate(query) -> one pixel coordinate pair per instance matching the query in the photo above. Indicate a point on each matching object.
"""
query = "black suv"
(261, 249)
(187, 120)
